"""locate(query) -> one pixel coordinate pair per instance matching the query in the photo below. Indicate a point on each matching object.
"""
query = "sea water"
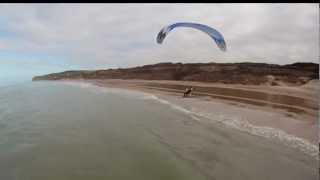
(54, 130)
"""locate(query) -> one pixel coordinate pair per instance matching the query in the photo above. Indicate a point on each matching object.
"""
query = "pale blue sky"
(43, 38)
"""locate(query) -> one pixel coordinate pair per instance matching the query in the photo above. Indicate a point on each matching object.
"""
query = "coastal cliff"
(228, 73)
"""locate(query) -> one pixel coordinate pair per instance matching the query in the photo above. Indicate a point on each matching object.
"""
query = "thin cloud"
(117, 35)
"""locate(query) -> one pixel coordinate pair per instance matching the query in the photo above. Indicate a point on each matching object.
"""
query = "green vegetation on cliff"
(230, 73)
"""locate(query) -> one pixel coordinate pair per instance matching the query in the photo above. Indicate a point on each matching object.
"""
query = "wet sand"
(293, 110)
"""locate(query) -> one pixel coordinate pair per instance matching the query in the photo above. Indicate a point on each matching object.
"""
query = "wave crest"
(244, 126)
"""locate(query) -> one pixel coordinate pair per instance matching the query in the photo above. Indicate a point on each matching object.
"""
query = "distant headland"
(228, 73)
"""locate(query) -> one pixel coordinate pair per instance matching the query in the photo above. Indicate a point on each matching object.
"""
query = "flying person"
(213, 33)
(188, 92)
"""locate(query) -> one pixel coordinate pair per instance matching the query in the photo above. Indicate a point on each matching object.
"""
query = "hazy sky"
(39, 38)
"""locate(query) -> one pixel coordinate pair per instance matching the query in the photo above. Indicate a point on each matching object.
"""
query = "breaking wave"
(173, 106)
(98, 89)
(244, 126)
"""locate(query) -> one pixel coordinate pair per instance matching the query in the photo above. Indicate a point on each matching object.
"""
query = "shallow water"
(78, 131)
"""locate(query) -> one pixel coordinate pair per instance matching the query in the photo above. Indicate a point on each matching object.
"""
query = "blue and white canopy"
(214, 34)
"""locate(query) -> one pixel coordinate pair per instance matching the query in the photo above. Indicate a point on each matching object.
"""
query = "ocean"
(74, 131)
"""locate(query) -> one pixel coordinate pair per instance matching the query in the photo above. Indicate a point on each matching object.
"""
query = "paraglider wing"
(214, 34)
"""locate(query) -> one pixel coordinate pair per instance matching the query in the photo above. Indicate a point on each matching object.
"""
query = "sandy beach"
(291, 111)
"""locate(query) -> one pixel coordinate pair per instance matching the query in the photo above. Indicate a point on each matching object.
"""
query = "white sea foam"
(267, 132)
(243, 125)
(98, 89)
(78, 84)
(173, 106)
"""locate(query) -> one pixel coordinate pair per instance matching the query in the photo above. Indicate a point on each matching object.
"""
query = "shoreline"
(297, 130)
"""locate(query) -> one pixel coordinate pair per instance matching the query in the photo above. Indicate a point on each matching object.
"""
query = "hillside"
(228, 73)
